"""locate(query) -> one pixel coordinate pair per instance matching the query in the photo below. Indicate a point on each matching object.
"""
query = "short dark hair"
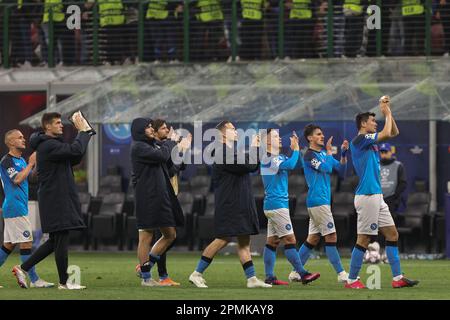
(360, 117)
(158, 123)
(221, 125)
(47, 118)
(309, 130)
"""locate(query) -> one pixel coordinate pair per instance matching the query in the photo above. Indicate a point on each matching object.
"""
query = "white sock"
(397, 278)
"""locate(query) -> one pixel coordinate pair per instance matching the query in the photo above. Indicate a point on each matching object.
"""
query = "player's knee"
(331, 237)
(363, 241)
(290, 239)
(313, 239)
(392, 236)
(26, 245)
(273, 242)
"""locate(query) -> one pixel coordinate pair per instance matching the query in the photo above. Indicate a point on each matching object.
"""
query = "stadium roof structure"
(319, 90)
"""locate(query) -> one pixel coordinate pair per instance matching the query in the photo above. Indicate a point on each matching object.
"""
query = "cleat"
(41, 284)
(404, 283)
(71, 286)
(150, 283)
(342, 277)
(355, 285)
(168, 283)
(310, 277)
(197, 279)
(275, 282)
(294, 276)
(21, 277)
(254, 282)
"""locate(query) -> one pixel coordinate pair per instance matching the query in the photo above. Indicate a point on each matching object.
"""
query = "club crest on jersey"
(315, 163)
(288, 227)
(373, 226)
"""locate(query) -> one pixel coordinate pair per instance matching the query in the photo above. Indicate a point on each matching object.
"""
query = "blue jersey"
(366, 161)
(16, 196)
(275, 179)
(318, 169)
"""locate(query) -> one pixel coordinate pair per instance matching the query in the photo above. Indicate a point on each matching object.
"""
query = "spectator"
(206, 30)
(162, 21)
(252, 28)
(61, 33)
(444, 13)
(20, 34)
(413, 13)
(393, 178)
(354, 26)
(387, 9)
(112, 21)
(272, 17)
(300, 28)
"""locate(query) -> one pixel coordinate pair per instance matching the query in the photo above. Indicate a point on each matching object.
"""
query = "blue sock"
(4, 253)
(393, 257)
(294, 258)
(356, 261)
(249, 269)
(145, 271)
(152, 259)
(163, 276)
(24, 255)
(333, 256)
(203, 264)
(270, 255)
(305, 251)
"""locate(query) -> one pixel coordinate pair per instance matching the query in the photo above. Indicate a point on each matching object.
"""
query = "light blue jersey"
(366, 161)
(318, 169)
(16, 195)
(275, 179)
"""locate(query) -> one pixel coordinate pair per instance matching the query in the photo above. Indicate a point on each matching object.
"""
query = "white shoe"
(294, 276)
(445, 55)
(174, 61)
(41, 284)
(25, 65)
(342, 277)
(127, 62)
(156, 62)
(70, 286)
(254, 282)
(150, 283)
(21, 277)
(197, 279)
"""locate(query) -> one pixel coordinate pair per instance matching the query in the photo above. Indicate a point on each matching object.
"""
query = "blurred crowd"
(111, 34)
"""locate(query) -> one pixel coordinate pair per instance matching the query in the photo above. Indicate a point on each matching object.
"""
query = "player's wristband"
(344, 153)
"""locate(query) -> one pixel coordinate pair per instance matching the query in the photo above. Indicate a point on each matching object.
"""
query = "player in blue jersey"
(373, 212)
(14, 172)
(318, 166)
(274, 172)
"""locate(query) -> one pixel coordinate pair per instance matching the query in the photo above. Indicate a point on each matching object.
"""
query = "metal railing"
(277, 30)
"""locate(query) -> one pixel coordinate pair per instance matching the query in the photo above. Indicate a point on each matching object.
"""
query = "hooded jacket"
(156, 203)
(59, 205)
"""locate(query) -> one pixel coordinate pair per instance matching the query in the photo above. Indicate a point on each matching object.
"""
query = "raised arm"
(58, 150)
(386, 133)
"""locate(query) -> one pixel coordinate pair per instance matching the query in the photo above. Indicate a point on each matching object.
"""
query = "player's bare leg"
(398, 281)
(243, 250)
(208, 254)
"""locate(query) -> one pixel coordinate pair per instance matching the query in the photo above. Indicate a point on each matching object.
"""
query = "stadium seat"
(200, 185)
(342, 208)
(416, 218)
(348, 184)
(186, 233)
(204, 223)
(297, 184)
(439, 232)
(110, 184)
(107, 224)
(85, 200)
(257, 185)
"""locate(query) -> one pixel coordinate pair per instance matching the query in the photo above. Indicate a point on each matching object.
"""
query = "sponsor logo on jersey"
(315, 163)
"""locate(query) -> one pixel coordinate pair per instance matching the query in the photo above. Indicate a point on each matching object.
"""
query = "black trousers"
(299, 41)
(354, 28)
(113, 45)
(205, 40)
(385, 32)
(66, 38)
(161, 39)
(445, 19)
(252, 38)
(414, 34)
(57, 243)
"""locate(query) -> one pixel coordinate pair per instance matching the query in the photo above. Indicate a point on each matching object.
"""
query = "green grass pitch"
(112, 276)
